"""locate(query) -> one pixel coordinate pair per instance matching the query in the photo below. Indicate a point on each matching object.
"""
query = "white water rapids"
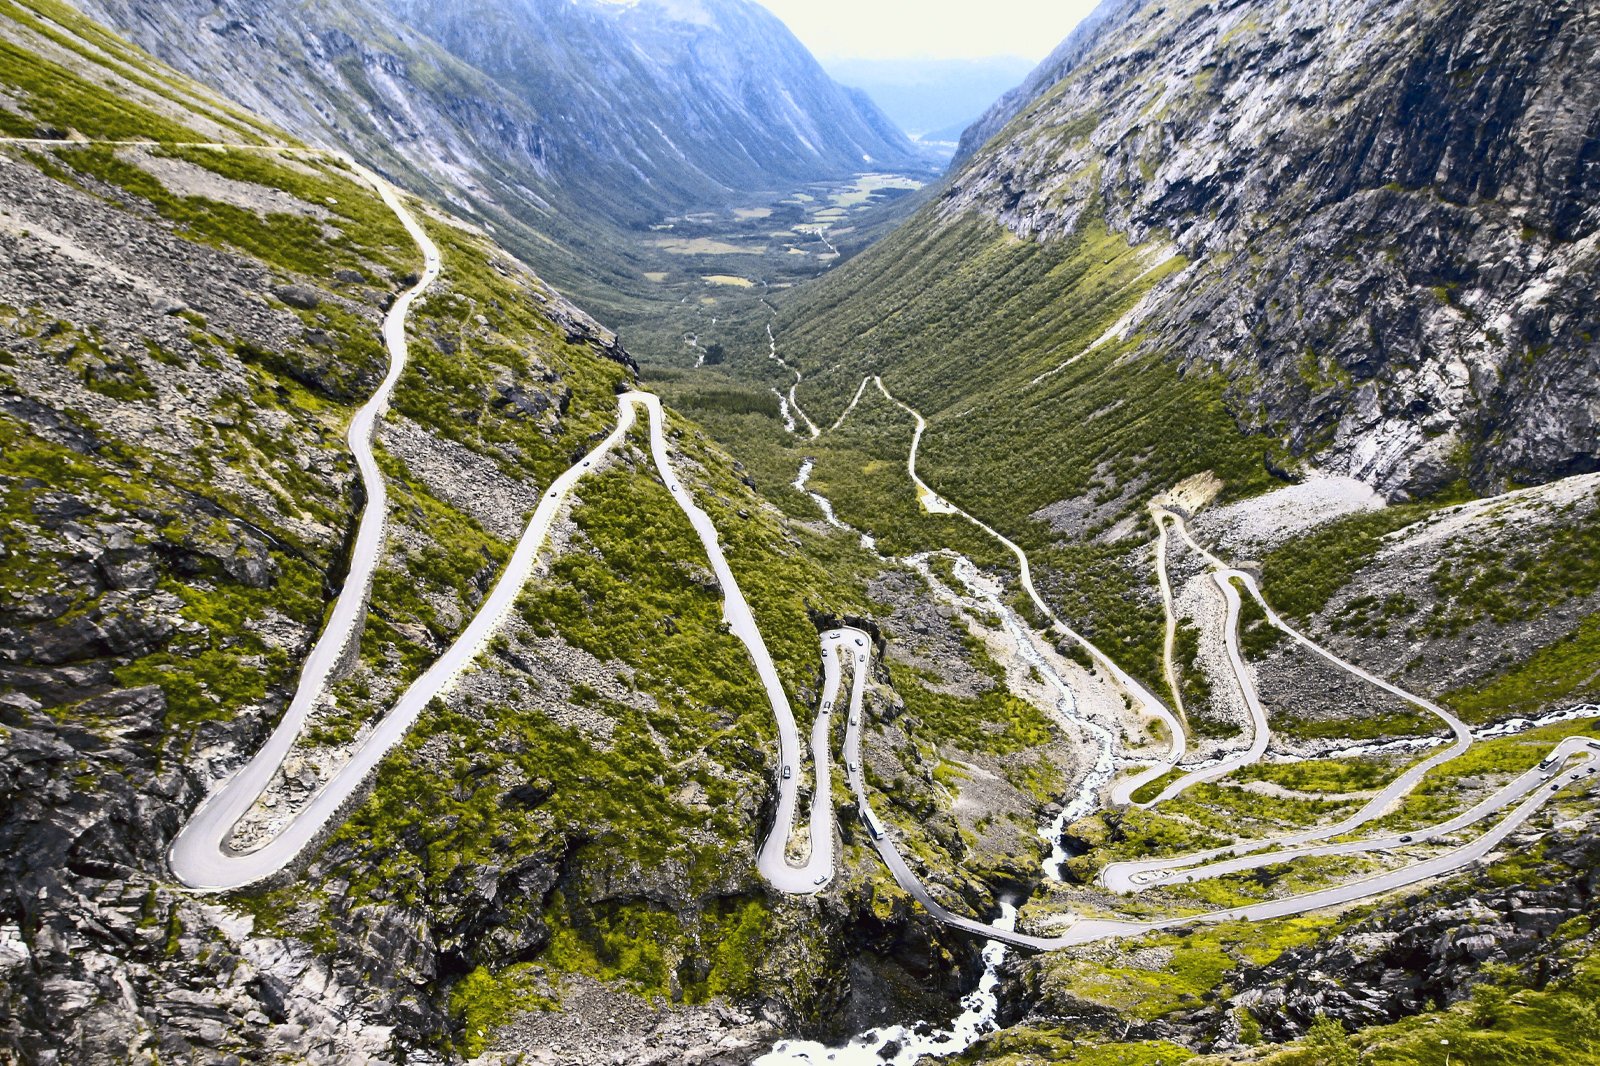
(905, 1045)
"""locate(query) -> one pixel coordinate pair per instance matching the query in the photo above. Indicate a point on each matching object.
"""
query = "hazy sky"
(882, 29)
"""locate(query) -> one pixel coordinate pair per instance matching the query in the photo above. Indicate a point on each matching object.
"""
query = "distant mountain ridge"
(559, 124)
(1083, 39)
(694, 96)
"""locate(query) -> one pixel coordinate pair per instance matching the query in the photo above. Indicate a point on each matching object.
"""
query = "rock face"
(1389, 213)
(1426, 952)
(114, 527)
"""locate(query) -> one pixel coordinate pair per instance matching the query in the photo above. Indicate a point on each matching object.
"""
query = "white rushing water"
(985, 592)
(1507, 728)
(826, 504)
(904, 1045)
(783, 409)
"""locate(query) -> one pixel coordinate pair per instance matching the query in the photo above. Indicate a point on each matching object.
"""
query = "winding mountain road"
(1529, 791)
(1260, 731)
(1573, 761)
(201, 855)
(203, 858)
(1137, 875)
(934, 503)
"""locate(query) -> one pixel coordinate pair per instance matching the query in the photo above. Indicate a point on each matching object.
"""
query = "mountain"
(565, 127)
(1325, 269)
(928, 96)
(1263, 244)
(685, 99)
(1169, 699)
(1084, 38)
(193, 313)
(1373, 243)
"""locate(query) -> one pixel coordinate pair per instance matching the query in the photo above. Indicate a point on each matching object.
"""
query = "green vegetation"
(1040, 778)
(1195, 686)
(68, 29)
(989, 424)
(1326, 775)
(1300, 577)
(295, 242)
(458, 560)
(1442, 792)
(786, 572)
(1512, 1017)
(227, 666)
(1567, 671)
(57, 99)
(1512, 579)
(1026, 1046)
(861, 468)
(646, 947)
(661, 774)
(1107, 592)
(1078, 432)
(744, 420)
(1257, 636)
(1237, 812)
(212, 673)
(648, 558)
(461, 554)
(1363, 723)
(1198, 960)
(1371, 616)
(483, 1000)
(994, 721)
(732, 401)
(667, 786)
(1136, 834)
(1154, 787)
(458, 368)
(1273, 881)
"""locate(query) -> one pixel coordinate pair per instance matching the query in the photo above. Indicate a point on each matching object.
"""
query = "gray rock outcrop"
(1390, 213)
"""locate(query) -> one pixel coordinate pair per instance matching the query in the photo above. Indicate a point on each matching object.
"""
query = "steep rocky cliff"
(1257, 240)
(1389, 212)
(1384, 217)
